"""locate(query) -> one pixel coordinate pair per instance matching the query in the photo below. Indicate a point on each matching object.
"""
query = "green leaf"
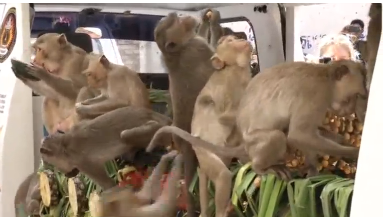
(318, 184)
(328, 192)
(343, 197)
(277, 191)
(238, 181)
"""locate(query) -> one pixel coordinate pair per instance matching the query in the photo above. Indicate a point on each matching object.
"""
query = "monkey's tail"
(223, 151)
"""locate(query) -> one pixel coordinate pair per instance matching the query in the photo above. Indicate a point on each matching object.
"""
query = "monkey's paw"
(206, 14)
(37, 71)
(281, 171)
(81, 109)
(215, 16)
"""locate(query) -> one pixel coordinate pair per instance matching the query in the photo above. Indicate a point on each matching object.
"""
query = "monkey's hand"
(81, 109)
(215, 16)
(37, 71)
(23, 74)
(206, 14)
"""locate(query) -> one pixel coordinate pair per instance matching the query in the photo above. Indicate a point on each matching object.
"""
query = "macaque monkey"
(27, 198)
(58, 65)
(119, 87)
(209, 28)
(214, 117)
(373, 38)
(290, 99)
(187, 58)
(90, 143)
(369, 51)
(212, 31)
(149, 201)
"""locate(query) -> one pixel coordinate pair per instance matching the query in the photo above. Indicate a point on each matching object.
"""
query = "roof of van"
(172, 6)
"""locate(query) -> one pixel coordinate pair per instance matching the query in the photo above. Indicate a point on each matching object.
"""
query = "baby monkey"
(119, 86)
(149, 201)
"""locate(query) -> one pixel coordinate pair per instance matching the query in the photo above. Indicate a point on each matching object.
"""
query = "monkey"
(27, 198)
(217, 100)
(373, 38)
(369, 51)
(289, 98)
(90, 143)
(212, 31)
(149, 201)
(187, 58)
(119, 87)
(209, 28)
(58, 65)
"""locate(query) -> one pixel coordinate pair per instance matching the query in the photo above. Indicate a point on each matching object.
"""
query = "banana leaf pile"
(253, 195)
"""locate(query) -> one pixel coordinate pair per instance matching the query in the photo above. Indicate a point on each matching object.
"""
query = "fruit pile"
(351, 129)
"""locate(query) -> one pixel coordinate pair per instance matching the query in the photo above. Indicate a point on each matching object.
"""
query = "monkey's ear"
(217, 62)
(62, 39)
(340, 72)
(104, 61)
(45, 151)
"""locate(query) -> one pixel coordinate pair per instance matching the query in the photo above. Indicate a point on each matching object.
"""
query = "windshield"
(123, 39)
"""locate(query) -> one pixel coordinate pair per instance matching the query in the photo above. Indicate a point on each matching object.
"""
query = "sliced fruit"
(94, 204)
(77, 195)
(49, 188)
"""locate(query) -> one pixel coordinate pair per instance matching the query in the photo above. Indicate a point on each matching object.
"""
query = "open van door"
(16, 122)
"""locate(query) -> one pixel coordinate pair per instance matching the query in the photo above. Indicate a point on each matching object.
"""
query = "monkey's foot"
(281, 171)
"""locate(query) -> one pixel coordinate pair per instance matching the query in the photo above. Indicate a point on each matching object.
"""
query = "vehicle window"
(243, 29)
(123, 39)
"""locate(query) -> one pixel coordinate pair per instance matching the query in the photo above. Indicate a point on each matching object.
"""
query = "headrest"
(80, 40)
(61, 28)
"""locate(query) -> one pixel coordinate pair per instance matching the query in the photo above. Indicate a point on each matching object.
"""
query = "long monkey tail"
(223, 151)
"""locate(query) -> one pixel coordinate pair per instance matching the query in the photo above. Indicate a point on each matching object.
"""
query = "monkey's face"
(234, 51)
(96, 74)
(53, 152)
(49, 51)
(173, 32)
(350, 86)
(345, 108)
